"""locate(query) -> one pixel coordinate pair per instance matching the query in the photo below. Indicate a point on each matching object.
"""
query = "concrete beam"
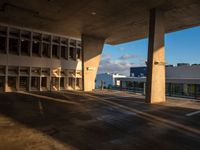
(155, 91)
(91, 55)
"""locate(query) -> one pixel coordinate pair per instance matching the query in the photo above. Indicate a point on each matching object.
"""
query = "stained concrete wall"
(92, 49)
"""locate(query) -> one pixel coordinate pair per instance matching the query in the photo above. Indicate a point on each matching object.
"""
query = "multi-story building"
(35, 60)
(107, 80)
(181, 80)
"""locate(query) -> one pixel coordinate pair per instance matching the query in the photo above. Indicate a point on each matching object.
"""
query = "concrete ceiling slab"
(116, 20)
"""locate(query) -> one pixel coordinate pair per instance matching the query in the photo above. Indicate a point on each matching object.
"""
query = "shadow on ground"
(89, 124)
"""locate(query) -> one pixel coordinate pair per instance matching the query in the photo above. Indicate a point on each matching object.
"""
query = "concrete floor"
(101, 120)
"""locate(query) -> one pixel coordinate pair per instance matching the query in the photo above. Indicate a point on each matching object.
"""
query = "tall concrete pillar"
(91, 55)
(155, 91)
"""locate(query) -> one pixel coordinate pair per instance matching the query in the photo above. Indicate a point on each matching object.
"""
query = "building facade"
(138, 71)
(182, 80)
(32, 60)
(108, 80)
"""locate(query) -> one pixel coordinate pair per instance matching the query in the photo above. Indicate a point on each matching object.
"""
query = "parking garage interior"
(50, 47)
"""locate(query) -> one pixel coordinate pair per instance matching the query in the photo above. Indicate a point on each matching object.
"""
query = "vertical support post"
(30, 76)
(155, 91)
(31, 45)
(6, 79)
(91, 55)
(144, 88)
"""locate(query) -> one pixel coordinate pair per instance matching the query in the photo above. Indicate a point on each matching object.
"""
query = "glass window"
(25, 47)
(62, 82)
(71, 53)
(55, 50)
(13, 46)
(46, 38)
(78, 82)
(64, 52)
(44, 82)
(35, 81)
(3, 30)
(36, 48)
(2, 44)
(45, 50)
(78, 53)
(70, 81)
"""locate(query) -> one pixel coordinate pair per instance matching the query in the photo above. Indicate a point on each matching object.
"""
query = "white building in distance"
(108, 80)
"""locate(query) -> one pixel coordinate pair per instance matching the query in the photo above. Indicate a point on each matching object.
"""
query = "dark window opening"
(78, 82)
(55, 50)
(70, 81)
(62, 82)
(45, 72)
(36, 36)
(64, 52)
(44, 82)
(23, 83)
(2, 44)
(71, 53)
(13, 70)
(14, 33)
(2, 83)
(46, 38)
(56, 39)
(35, 82)
(36, 48)
(54, 82)
(12, 82)
(72, 42)
(2, 70)
(79, 43)
(64, 41)
(24, 71)
(13, 46)
(25, 47)
(45, 50)
(25, 34)
(3, 30)
(35, 71)
(78, 53)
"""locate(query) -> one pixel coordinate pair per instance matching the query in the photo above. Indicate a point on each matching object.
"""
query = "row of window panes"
(35, 71)
(40, 42)
(37, 46)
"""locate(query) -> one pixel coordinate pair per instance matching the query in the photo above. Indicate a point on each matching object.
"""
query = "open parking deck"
(97, 120)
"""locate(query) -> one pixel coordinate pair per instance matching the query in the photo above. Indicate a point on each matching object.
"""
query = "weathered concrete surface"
(95, 121)
(116, 20)
(91, 53)
(156, 58)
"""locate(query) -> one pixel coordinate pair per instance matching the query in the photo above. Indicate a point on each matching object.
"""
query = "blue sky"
(181, 46)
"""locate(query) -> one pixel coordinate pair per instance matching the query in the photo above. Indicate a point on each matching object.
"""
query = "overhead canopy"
(116, 20)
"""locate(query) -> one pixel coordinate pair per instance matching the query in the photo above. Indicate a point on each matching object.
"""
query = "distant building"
(32, 60)
(108, 80)
(182, 80)
(138, 71)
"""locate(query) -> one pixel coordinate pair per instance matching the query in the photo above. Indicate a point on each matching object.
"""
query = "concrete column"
(155, 91)
(91, 55)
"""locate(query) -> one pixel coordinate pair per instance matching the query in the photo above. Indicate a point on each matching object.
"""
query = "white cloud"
(127, 56)
(115, 66)
(106, 56)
